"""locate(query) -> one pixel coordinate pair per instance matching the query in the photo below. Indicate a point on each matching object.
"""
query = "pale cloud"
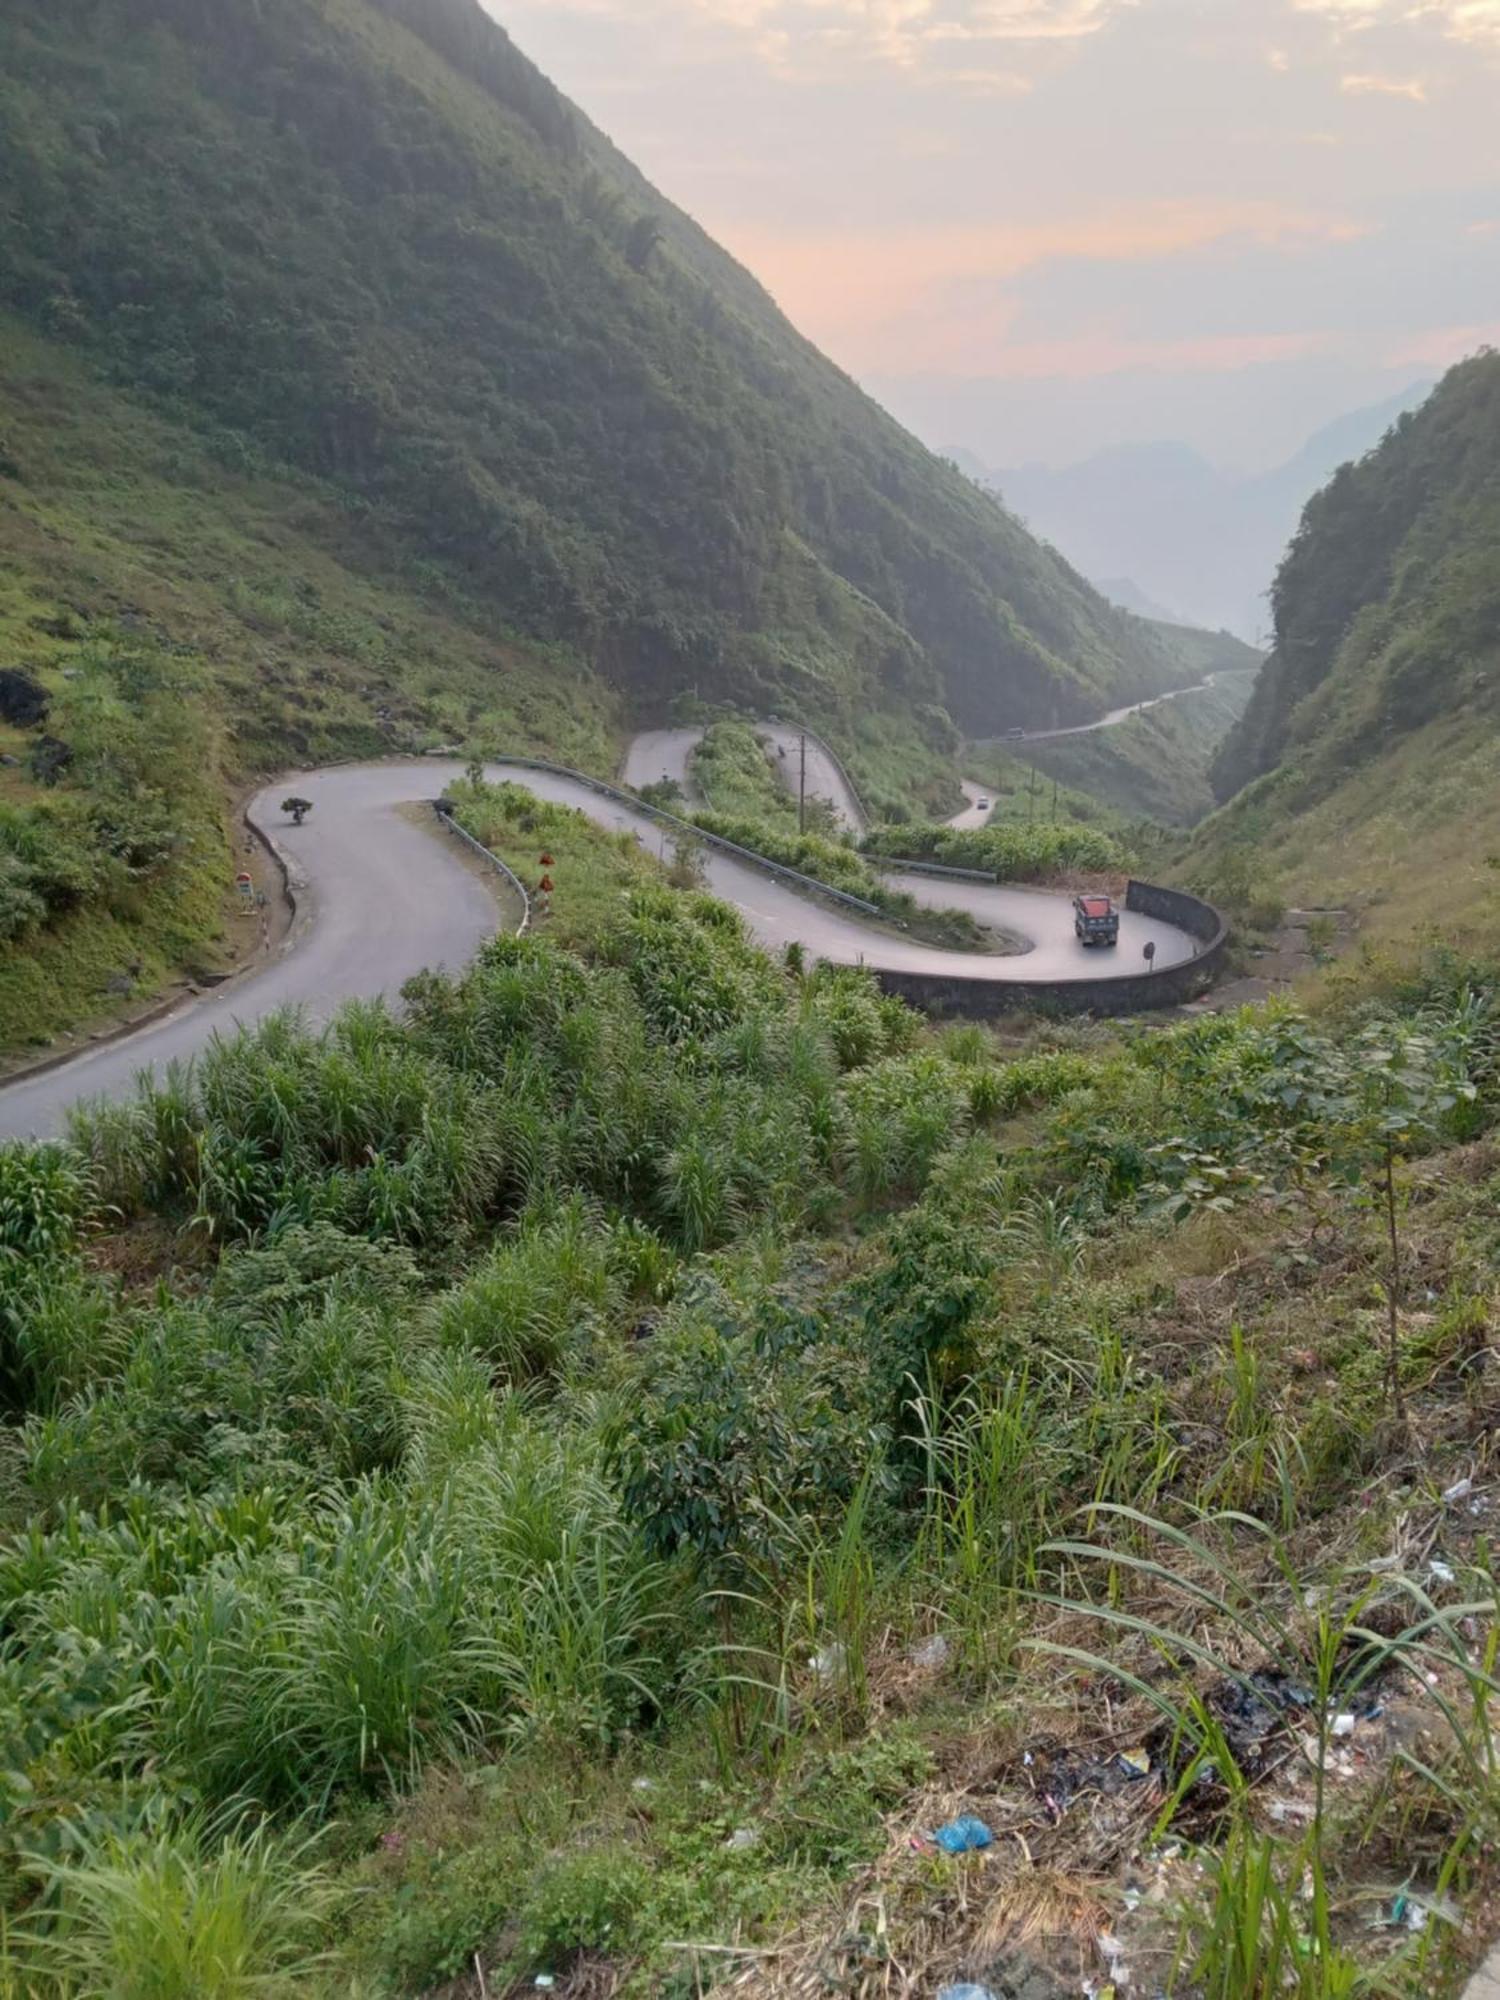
(1367, 84)
(798, 37)
(865, 268)
(981, 82)
(928, 298)
(1476, 21)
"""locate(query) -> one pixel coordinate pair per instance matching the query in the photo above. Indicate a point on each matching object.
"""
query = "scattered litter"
(831, 1662)
(1459, 1490)
(1113, 1954)
(1343, 1725)
(643, 1784)
(1028, 1760)
(545, 1981)
(1137, 1762)
(1291, 1812)
(962, 1835)
(741, 1838)
(1383, 1565)
(965, 1989)
(1440, 1572)
(933, 1652)
(1131, 1899)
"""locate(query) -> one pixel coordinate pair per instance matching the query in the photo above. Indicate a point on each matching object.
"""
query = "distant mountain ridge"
(1180, 532)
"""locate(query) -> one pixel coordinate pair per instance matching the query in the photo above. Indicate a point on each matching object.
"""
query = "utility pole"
(1054, 799)
(802, 787)
(1031, 798)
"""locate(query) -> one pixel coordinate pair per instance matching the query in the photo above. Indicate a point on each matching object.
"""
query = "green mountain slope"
(369, 238)
(1366, 762)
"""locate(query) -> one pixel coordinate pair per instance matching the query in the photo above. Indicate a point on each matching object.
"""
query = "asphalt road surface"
(382, 898)
(1115, 715)
(974, 814)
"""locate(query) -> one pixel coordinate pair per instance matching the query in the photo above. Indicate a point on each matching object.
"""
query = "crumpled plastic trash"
(965, 1989)
(963, 1835)
(831, 1662)
(1137, 1762)
(1459, 1490)
(741, 1838)
(933, 1652)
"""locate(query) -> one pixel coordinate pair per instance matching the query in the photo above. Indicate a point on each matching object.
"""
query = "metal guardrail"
(493, 859)
(809, 883)
(937, 868)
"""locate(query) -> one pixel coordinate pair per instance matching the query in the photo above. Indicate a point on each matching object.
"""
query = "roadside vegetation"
(586, 1479)
(1010, 849)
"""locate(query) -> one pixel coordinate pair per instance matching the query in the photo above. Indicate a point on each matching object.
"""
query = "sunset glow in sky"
(1035, 227)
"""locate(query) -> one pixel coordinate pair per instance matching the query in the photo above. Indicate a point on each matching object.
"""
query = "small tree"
(296, 809)
(1395, 1095)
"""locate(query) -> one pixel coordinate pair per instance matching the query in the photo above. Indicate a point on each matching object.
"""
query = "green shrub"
(583, 1902)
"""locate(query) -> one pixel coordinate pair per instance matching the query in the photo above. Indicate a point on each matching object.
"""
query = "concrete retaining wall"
(986, 999)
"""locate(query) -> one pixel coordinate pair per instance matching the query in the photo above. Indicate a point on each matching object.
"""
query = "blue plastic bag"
(961, 1836)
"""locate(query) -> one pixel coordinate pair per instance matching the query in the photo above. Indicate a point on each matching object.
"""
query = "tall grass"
(190, 1914)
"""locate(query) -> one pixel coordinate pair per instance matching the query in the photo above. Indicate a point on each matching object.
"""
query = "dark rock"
(23, 699)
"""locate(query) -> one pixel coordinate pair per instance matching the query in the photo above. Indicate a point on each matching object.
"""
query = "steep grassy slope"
(369, 237)
(1365, 764)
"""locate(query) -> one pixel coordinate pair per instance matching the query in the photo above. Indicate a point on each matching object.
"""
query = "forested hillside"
(1365, 764)
(369, 239)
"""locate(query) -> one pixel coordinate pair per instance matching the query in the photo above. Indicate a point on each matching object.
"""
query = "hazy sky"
(1035, 227)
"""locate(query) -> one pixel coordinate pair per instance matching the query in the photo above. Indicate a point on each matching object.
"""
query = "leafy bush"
(1012, 851)
(583, 1902)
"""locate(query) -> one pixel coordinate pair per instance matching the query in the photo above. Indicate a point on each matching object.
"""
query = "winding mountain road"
(1115, 716)
(380, 898)
(667, 753)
